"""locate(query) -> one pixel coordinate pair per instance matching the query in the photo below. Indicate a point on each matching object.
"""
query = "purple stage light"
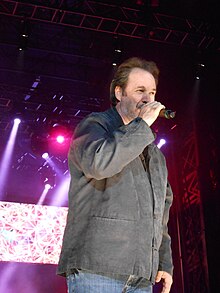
(47, 187)
(61, 193)
(7, 157)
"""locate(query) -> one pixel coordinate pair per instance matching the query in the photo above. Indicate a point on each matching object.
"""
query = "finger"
(156, 106)
(158, 277)
(166, 286)
(153, 104)
(152, 108)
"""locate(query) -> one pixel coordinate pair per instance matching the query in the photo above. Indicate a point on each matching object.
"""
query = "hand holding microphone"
(151, 110)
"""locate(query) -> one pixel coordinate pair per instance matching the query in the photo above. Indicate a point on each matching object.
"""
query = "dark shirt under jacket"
(117, 217)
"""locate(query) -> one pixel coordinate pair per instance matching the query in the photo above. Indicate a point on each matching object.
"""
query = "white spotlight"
(17, 121)
(5, 163)
(45, 156)
(47, 186)
(161, 143)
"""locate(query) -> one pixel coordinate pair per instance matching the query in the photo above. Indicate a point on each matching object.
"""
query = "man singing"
(116, 237)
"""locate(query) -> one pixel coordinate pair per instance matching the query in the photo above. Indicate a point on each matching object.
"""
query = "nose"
(147, 98)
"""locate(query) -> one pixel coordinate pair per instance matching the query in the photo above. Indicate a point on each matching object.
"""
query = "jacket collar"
(115, 117)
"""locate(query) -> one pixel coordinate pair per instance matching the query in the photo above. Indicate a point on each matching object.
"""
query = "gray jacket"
(118, 206)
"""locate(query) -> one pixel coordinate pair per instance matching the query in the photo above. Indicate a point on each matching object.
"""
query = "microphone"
(168, 114)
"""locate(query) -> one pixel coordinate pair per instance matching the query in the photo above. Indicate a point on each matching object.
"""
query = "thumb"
(158, 276)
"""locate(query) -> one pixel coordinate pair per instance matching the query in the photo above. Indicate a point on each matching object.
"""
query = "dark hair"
(121, 75)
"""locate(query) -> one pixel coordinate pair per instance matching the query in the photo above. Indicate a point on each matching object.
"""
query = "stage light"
(48, 175)
(199, 71)
(53, 140)
(60, 195)
(161, 143)
(24, 35)
(6, 158)
(117, 51)
(47, 186)
(17, 121)
(45, 156)
(60, 139)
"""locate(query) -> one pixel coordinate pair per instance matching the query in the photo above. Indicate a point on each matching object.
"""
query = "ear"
(118, 92)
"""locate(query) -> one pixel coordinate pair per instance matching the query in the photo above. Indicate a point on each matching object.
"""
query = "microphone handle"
(168, 114)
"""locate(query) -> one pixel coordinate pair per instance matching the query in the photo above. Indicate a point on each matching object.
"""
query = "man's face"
(140, 89)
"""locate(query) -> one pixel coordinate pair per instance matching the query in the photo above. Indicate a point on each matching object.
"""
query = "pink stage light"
(60, 139)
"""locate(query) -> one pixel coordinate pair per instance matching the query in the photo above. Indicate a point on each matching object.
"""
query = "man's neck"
(124, 118)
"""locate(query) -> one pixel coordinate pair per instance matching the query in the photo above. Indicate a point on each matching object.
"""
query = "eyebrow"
(143, 87)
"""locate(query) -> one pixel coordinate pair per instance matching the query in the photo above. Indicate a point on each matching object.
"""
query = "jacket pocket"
(111, 243)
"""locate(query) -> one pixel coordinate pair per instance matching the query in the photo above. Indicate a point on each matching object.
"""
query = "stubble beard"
(130, 110)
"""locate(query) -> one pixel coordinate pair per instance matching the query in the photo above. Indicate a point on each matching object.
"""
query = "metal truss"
(34, 113)
(115, 19)
(192, 227)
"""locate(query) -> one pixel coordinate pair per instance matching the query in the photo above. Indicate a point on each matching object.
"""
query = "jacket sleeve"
(165, 254)
(100, 153)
